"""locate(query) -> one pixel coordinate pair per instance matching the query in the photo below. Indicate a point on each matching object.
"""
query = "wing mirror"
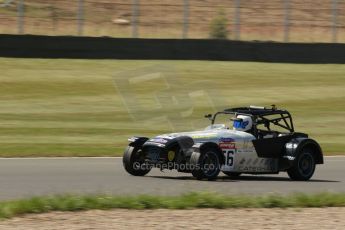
(208, 116)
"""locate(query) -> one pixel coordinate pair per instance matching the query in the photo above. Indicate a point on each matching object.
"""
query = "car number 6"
(229, 156)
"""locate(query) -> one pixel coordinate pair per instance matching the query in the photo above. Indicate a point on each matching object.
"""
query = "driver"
(243, 123)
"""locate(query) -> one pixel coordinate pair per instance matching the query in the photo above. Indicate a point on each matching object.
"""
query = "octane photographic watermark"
(157, 96)
(173, 165)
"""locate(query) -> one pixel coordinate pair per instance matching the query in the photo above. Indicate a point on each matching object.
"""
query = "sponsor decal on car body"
(227, 145)
(226, 139)
(203, 136)
(159, 140)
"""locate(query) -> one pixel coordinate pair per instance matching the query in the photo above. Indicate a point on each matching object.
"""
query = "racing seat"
(263, 134)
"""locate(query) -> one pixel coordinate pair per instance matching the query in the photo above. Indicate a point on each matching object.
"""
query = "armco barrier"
(32, 46)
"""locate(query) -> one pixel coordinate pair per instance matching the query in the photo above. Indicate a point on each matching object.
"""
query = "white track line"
(334, 156)
(54, 158)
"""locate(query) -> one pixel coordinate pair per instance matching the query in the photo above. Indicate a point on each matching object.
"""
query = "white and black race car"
(259, 141)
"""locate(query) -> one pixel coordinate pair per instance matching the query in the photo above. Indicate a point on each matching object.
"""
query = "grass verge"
(63, 107)
(9, 209)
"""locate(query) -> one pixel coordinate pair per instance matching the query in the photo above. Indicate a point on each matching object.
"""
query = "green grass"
(10, 209)
(57, 107)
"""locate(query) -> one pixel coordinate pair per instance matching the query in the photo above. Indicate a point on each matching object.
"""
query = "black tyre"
(206, 164)
(232, 174)
(133, 162)
(304, 166)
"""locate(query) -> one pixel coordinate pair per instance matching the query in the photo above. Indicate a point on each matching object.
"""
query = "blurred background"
(85, 107)
(275, 20)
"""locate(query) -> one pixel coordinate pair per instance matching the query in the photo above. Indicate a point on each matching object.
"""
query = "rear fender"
(296, 145)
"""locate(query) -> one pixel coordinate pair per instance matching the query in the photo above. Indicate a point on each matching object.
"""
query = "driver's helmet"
(243, 123)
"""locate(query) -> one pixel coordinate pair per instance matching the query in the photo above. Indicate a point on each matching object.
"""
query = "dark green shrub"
(218, 27)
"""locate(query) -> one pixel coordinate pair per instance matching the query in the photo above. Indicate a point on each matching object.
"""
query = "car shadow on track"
(272, 178)
(242, 178)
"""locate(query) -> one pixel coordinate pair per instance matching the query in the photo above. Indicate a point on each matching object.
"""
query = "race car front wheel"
(206, 164)
(303, 167)
(133, 162)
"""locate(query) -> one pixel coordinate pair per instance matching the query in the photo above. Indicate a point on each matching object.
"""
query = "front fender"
(184, 142)
(137, 142)
(160, 147)
(200, 147)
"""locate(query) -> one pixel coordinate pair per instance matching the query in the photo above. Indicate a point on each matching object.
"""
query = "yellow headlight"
(171, 155)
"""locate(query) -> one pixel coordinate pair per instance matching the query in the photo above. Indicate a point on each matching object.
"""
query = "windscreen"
(225, 119)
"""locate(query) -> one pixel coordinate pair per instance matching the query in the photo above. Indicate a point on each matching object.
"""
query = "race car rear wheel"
(133, 162)
(303, 167)
(206, 164)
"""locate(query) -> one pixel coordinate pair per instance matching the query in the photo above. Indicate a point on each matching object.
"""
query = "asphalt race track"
(44, 176)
